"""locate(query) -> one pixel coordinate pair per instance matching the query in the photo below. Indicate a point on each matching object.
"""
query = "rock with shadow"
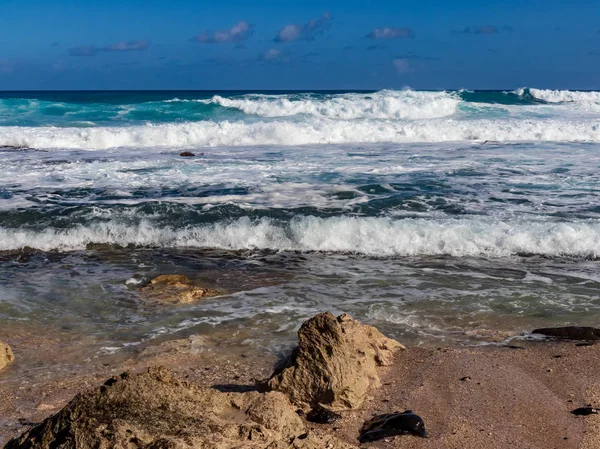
(335, 364)
(577, 333)
(156, 410)
(392, 424)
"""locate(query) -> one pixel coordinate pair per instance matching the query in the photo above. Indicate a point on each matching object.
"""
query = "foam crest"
(368, 236)
(562, 96)
(405, 105)
(316, 131)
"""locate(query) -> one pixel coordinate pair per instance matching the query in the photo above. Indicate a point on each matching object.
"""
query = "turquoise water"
(118, 108)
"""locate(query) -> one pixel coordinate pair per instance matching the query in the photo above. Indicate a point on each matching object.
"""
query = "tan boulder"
(6, 356)
(176, 289)
(155, 410)
(335, 364)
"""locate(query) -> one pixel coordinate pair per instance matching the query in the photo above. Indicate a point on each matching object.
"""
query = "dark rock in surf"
(8, 148)
(187, 154)
(392, 424)
(570, 333)
(321, 415)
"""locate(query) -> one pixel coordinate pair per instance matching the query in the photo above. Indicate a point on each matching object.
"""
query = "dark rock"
(570, 333)
(187, 154)
(8, 148)
(321, 415)
(466, 378)
(585, 411)
(392, 424)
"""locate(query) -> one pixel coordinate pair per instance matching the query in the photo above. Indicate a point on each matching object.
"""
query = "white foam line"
(369, 236)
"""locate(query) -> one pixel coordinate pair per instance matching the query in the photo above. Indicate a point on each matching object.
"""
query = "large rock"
(155, 410)
(6, 356)
(176, 289)
(335, 363)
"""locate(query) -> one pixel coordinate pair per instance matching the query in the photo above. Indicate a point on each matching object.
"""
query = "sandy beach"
(470, 397)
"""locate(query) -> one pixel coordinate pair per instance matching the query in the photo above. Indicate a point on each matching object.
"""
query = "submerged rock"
(392, 424)
(156, 410)
(176, 289)
(6, 356)
(335, 364)
(187, 154)
(570, 333)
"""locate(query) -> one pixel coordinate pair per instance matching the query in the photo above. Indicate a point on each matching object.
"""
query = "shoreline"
(469, 397)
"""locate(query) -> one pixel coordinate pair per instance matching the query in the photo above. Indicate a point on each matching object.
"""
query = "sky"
(308, 44)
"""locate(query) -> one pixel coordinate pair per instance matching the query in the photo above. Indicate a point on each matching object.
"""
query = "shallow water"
(422, 300)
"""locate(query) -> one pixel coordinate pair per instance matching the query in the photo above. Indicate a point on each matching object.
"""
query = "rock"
(176, 289)
(392, 424)
(585, 411)
(6, 356)
(321, 415)
(335, 364)
(8, 148)
(187, 154)
(155, 410)
(570, 333)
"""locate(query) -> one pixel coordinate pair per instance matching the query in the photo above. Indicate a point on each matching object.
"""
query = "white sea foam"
(369, 236)
(314, 131)
(406, 105)
(563, 96)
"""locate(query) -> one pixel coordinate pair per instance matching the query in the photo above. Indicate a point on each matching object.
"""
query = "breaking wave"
(561, 96)
(321, 131)
(366, 236)
(398, 105)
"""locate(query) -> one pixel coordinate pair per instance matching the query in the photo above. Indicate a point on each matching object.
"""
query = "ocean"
(455, 217)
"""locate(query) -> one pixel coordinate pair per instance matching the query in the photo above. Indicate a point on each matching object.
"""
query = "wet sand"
(479, 397)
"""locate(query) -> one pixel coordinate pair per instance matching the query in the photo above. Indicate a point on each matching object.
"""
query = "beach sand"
(476, 397)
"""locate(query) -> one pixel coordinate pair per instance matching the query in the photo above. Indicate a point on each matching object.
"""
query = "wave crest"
(368, 236)
(397, 105)
(211, 134)
(561, 96)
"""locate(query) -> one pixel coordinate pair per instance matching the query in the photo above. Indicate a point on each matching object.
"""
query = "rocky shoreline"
(479, 397)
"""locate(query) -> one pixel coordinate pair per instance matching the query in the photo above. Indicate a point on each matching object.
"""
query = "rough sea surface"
(459, 217)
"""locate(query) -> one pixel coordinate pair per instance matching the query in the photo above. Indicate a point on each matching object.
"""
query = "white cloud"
(237, 33)
(271, 54)
(127, 46)
(308, 31)
(402, 65)
(92, 50)
(390, 33)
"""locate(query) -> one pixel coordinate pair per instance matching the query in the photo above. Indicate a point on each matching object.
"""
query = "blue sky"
(309, 44)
